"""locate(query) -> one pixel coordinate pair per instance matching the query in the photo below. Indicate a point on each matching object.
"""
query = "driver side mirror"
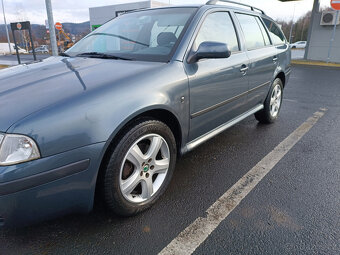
(209, 50)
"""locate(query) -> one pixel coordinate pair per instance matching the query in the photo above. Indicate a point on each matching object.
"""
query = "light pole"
(316, 7)
(9, 42)
(291, 28)
(52, 29)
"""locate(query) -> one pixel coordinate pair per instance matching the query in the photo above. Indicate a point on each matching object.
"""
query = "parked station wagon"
(108, 119)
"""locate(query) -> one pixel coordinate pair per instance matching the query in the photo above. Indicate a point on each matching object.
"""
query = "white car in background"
(41, 49)
(299, 45)
(4, 49)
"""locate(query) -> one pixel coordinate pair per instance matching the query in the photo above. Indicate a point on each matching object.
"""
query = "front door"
(217, 86)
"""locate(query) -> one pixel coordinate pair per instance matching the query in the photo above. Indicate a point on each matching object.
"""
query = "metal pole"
(16, 47)
(333, 37)
(32, 43)
(291, 32)
(9, 42)
(291, 28)
(316, 7)
(52, 29)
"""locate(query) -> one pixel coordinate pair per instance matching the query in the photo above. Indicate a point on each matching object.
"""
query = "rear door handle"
(275, 58)
(244, 69)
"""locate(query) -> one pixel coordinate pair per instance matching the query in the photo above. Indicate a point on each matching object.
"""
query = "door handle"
(275, 59)
(244, 69)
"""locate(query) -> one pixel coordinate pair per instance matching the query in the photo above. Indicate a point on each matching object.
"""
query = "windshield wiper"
(63, 54)
(101, 55)
(121, 37)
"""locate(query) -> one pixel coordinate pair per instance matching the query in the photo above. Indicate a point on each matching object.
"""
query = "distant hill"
(77, 28)
(39, 31)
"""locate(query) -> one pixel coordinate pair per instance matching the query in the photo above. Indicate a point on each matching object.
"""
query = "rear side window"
(252, 31)
(218, 27)
(275, 32)
(264, 32)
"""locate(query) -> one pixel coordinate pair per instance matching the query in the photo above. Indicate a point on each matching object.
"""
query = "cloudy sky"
(78, 10)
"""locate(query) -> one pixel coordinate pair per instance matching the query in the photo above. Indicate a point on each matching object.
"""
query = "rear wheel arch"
(282, 77)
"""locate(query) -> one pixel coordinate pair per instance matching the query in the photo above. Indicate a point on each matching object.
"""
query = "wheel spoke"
(272, 100)
(136, 156)
(278, 95)
(130, 184)
(147, 188)
(274, 92)
(161, 166)
(155, 146)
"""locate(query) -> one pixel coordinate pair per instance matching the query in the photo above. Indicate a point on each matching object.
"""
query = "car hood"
(26, 89)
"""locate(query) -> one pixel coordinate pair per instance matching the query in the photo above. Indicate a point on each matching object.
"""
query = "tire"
(135, 179)
(272, 104)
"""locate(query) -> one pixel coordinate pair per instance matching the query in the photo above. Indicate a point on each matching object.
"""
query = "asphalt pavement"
(295, 208)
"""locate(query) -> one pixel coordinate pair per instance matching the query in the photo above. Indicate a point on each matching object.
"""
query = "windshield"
(150, 35)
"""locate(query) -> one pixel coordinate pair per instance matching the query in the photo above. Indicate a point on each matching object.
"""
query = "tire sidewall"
(270, 118)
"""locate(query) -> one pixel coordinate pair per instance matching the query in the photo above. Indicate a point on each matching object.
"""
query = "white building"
(100, 15)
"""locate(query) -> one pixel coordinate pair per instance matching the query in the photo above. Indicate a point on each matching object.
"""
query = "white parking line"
(196, 233)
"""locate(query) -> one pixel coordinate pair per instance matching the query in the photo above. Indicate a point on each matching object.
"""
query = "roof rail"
(211, 2)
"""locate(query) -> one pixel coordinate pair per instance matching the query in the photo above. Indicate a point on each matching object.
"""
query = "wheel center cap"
(146, 168)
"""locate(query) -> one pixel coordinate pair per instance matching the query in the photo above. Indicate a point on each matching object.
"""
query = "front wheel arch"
(162, 115)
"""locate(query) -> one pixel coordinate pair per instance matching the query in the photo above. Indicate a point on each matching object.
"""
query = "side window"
(275, 32)
(218, 27)
(264, 32)
(252, 31)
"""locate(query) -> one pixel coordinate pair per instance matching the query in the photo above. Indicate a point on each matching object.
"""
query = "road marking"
(290, 100)
(197, 232)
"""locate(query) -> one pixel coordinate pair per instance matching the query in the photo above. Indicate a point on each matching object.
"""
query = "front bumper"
(49, 187)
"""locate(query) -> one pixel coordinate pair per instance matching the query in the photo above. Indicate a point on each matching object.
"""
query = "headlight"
(15, 149)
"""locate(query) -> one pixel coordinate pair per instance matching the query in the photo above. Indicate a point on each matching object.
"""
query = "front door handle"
(275, 59)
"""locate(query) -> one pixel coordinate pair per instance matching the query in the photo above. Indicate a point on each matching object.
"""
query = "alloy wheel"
(144, 168)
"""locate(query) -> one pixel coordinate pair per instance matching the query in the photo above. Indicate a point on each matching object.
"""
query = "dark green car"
(107, 119)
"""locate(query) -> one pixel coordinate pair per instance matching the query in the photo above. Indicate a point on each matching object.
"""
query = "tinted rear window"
(275, 32)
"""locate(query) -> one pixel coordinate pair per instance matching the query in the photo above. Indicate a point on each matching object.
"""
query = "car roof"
(216, 6)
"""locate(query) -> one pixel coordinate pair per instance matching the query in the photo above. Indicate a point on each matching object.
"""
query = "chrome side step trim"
(193, 144)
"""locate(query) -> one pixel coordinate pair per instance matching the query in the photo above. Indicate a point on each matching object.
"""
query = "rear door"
(262, 56)
(280, 42)
(217, 86)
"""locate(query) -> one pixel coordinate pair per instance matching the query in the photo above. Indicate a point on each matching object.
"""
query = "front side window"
(218, 27)
(149, 35)
(251, 30)
(275, 32)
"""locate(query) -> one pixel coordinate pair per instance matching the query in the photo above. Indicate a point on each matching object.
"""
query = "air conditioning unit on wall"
(328, 18)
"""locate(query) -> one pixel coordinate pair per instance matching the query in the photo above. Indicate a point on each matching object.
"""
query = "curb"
(314, 63)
